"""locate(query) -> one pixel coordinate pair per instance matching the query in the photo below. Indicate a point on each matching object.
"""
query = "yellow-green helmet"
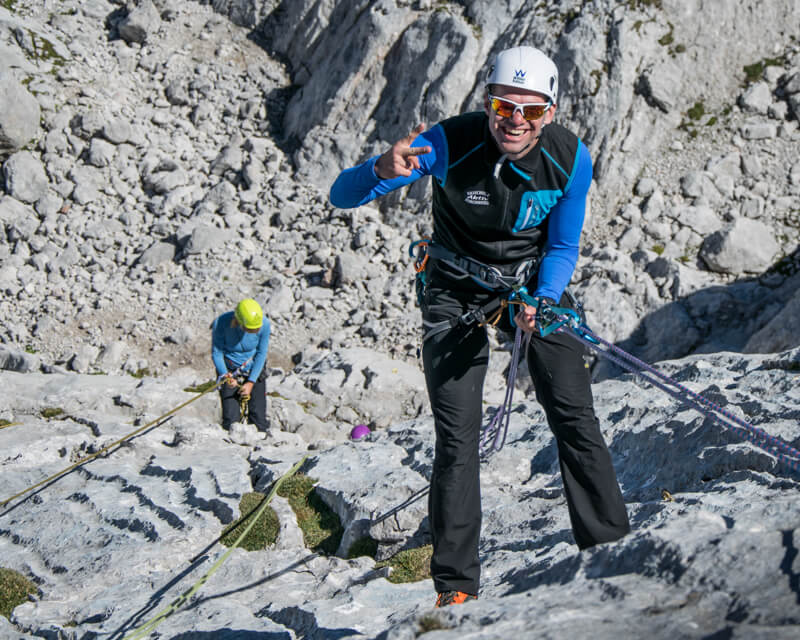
(249, 315)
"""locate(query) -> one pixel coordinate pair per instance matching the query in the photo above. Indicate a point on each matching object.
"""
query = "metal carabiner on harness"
(421, 257)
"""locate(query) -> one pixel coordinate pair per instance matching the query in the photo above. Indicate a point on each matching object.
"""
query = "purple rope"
(782, 450)
(497, 428)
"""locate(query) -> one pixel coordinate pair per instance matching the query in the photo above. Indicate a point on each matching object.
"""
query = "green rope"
(149, 626)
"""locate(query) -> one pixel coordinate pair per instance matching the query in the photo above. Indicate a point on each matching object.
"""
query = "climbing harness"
(219, 381)
(485, 275)
(148, 627)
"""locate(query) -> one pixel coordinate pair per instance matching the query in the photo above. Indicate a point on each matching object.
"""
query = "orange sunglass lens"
(534, 112)
(502, 108)
(505, 109)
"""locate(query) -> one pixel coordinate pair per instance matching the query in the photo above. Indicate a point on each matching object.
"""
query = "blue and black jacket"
(493, 210)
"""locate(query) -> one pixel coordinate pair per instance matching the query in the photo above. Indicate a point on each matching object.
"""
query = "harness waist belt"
(486, 275)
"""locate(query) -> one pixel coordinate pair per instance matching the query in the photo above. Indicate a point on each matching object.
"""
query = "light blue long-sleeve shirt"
(236, 346)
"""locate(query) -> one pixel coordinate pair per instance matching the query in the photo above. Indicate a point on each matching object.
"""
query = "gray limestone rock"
(714, 517)
(20, 220)
(157, 253)
(780, 332)
(141, 22)
(19, 114)
(18, 361)
(756, 130)
(745, 246)
(757, 98)
(25, 177)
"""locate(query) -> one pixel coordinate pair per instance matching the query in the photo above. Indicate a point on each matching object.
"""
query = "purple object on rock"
(359, 431)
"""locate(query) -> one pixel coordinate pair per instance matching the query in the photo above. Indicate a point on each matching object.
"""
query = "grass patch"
(141, 373)
(697, 111)
(431, 622)
(411, 565)
(51, 412)
(365, 546)
(321, 527)
(201, 388)
(8, 4)
(14, 590)
(668, 38)
(658, 249)
(264, 532)
(5, 423)
(753, 72)
(44, 50)
(639, 4)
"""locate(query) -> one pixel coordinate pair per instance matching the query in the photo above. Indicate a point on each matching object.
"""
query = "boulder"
(19, 114)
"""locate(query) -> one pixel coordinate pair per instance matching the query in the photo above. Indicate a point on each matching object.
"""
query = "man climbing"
(241, 337)
(509, 198)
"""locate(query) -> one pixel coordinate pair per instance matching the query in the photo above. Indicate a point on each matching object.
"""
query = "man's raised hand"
(401, 159)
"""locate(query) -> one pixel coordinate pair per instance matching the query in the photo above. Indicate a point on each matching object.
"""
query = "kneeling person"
(241, 337)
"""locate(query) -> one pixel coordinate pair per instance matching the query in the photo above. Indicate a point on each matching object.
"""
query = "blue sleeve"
(565, 224)
(217, 343)
(360, 184)
(260, 357)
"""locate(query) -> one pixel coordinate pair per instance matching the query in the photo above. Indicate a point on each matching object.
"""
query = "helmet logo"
(519, 76)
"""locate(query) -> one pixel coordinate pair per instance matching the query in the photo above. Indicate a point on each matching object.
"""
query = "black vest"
(502, 220)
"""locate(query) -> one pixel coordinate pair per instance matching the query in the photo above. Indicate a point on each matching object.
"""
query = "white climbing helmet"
(525, 68)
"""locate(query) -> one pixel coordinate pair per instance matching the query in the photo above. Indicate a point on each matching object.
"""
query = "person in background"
(241, 337)
(509, 200)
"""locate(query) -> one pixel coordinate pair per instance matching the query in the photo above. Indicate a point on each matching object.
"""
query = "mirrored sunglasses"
(506, 108)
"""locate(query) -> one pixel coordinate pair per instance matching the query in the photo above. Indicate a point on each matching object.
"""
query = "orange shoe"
(447, 598)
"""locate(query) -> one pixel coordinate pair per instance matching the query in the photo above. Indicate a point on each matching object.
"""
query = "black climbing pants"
(256, 407)
(455, 364)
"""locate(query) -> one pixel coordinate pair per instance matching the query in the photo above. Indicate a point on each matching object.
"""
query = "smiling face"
(514, 135)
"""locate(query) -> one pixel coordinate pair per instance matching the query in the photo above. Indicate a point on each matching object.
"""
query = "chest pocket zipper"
(534, 207)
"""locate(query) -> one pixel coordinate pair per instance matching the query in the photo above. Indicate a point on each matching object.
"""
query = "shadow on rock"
(750, 315)
(233, 634)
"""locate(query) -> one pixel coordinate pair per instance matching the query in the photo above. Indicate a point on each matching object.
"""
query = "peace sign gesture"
(401, 158)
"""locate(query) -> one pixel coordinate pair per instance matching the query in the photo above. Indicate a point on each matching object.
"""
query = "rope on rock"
(773, 445)
(567, 321)
(116, 443)
(554, 319)
(154, 622)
